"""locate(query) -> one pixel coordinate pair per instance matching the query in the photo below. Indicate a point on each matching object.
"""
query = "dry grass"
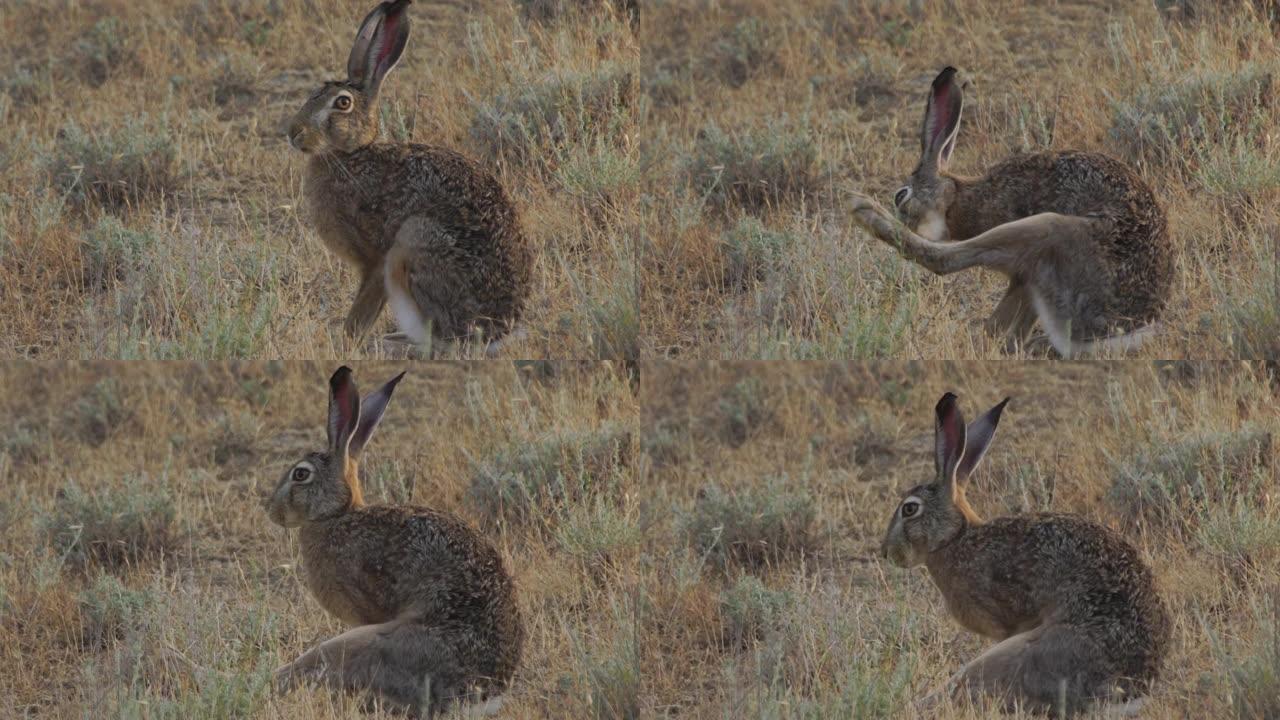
(140, 578)
(162, 121)
(700, 543)
(774, 110)
(825, 629)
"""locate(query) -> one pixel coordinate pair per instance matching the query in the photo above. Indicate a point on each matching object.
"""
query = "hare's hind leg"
(402, 663)
(1054, 668)
(426, 283)
(1013, 248)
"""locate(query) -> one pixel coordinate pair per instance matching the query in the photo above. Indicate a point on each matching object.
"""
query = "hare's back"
(1082, 567)
(1134, 243)
(1071, 183)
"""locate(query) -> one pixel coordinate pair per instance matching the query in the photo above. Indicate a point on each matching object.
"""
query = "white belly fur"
(405, 311)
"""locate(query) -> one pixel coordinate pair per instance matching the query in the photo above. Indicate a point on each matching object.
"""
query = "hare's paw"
(284, 679)
(860, 203)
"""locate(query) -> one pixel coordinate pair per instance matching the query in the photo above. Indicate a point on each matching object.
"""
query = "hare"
(433, 607)
(428, 230)
(1080, 236)
(1072, 605)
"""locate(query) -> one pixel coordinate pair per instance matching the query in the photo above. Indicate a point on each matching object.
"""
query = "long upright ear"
(378, 46)
(941, 121)
(978, 439)
(371, 410)
(948, 438)
(344, 410)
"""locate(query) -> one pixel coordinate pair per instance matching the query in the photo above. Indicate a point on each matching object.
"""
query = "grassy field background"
(149, 205)
(141, 578)
(699, 543)
(781, 479)
(766, 113)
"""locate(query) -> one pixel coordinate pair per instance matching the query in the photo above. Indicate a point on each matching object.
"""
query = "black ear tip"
(393, 382)
(340, 375)
(945, 77)
(947, 402)
(999, 409)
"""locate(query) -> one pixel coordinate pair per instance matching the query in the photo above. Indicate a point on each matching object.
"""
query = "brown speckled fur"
(432, 604)
(1132, 240)
(1081, 238)
(1012, 574)
(359, 201)
(1073, 605)
(425, 218)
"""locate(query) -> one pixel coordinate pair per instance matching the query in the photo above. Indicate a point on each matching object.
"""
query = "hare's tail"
(1058, 330)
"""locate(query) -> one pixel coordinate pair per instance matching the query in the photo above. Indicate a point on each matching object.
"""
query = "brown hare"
(1080, 236)
(432, 604)
(428, 229)
(1072, 605)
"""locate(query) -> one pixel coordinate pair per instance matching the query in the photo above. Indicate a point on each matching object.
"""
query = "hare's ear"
(948, 438)
(371, 409)
(978, 439)
(344, 410)
(378, 45)
(941, 121)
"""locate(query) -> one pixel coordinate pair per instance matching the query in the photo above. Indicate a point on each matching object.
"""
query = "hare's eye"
(910, 508)
(300, 474)
(903, 195)
(342, 102)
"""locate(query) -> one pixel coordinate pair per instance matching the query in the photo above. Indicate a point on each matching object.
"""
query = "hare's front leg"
(370, 299)
(1014, 317)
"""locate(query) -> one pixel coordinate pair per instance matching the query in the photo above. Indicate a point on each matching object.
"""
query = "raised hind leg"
(1053, 255)
(1014, 248)
(401, 663)
(1055, 668)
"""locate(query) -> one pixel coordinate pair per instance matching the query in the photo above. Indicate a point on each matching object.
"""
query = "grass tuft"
(108, 610)
(1167, 123)
(114, 168)
(114, 528)
(112, 252)
(753, 528)
(543, 479)
(1171, 484)
(529, 121)
(753, 170)
(750, 610)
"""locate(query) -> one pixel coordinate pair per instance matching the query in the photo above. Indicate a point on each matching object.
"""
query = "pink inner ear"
(345, 397)
(951, 427)
(941, 112)
(388, 38)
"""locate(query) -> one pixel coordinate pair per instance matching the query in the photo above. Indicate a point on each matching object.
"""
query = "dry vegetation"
(766, 113)
(697, 543)
(774, 483)
(140, 577)
(149, 203)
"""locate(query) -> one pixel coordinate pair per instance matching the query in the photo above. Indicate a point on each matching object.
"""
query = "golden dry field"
(149, 204)
(141, 578)
(766, 114)
(700, 544)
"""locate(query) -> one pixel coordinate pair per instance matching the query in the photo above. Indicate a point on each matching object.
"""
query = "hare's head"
(326, 483)
(342, 115)
(923, 202)
(931, 515)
